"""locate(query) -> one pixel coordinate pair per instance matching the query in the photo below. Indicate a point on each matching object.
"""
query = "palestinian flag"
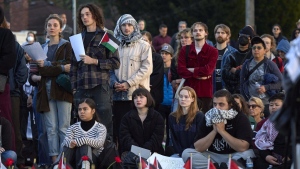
(110, 42)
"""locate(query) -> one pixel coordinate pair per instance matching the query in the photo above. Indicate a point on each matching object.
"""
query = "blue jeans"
(42, 137)
(57, 121)
(101, 95)
(8, 154)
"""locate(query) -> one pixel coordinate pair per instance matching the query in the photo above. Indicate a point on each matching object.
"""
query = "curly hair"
(97, 15)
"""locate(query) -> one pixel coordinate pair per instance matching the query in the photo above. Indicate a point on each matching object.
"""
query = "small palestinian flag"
(110, 42)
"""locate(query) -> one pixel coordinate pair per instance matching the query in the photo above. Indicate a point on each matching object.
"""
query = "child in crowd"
(184, 123)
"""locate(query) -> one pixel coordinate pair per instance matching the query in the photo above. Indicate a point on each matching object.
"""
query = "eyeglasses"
(256, 47)
(253, 106)
(275, 28)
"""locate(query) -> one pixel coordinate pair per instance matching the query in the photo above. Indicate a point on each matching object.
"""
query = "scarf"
(215, 115)
(266, 136)
(135, 35)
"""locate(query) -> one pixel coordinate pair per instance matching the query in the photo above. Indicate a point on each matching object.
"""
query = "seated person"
(275, 103)
(6, 141)
(142, 126)
(256, 107)
(240, 100)
(270, 142)
(185, 122)
(226, 130)
(86, 137)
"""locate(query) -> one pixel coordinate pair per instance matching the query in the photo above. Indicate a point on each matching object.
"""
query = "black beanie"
(247, 30)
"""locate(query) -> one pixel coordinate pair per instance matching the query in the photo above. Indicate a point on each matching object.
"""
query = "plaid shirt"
(85, 76)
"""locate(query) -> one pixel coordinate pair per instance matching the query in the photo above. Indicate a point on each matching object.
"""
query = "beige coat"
(136, 65)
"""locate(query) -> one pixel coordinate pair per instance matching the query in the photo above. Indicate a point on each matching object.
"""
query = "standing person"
(90, 76)
(259, 71)
(53, 101)
(135, 67)
(85, 137)
(295, 34)
(277, 33)
(17, 78)
(233, 63)
(162, 38)
(7, 61)
(222, 36)
(184, 38)
(142, 25)
(271, 49)
(164, 109)
(218, 139)
(157, 75)
(174, 41)
(142, 126)
(198, 68)
(67, 31)
(282, 49)
(30, 39)
(185, 122)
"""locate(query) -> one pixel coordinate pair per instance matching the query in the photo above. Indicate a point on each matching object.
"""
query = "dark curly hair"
(97, 15)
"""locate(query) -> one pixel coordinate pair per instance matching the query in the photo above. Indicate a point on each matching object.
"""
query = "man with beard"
(233, 63)
(196, 63)
(222, 35)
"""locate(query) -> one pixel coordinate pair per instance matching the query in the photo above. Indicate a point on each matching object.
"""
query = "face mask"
(30, 39)
(243, 40)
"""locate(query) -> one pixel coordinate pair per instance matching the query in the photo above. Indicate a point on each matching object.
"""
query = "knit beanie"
(247, 30)
(283, 45)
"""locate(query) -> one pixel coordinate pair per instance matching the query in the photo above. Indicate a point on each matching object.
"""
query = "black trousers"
(73, 155)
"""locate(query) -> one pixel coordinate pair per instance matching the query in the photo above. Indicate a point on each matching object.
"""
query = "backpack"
(107, 158)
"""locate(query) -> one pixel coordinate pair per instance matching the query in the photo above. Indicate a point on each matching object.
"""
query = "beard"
(220, 40)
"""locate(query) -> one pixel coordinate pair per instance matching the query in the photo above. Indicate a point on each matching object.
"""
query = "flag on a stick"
(232, 164)
(110, 42)
(210, 165)
(188, 163)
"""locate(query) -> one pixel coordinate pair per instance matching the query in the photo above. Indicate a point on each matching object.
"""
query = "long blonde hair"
(192, 111)
(186, 31)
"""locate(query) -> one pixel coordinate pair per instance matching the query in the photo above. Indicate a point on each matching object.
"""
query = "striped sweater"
(94, 137)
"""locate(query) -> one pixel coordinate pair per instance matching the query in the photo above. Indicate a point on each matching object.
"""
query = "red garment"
(204, 63)
(279, 63)
(158, 41)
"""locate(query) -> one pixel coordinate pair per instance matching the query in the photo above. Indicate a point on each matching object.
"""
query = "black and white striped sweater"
(94, 137)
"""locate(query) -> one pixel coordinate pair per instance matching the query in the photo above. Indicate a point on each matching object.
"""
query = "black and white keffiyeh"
(135, 35)
(215, 115)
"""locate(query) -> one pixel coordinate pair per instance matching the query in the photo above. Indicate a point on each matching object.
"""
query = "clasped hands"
(219, 127)
(121, 86)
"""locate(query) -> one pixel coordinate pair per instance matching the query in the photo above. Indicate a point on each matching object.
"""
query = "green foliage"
(211, 12)
(285, 13)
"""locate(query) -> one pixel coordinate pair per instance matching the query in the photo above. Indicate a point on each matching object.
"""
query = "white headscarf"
(135, 35)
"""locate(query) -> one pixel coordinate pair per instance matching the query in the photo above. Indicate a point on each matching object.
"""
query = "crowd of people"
(176, 96)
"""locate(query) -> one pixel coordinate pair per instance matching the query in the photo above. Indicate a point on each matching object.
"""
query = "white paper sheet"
(77, 45)
(167, 162)
(35, 51)
(145, 153)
